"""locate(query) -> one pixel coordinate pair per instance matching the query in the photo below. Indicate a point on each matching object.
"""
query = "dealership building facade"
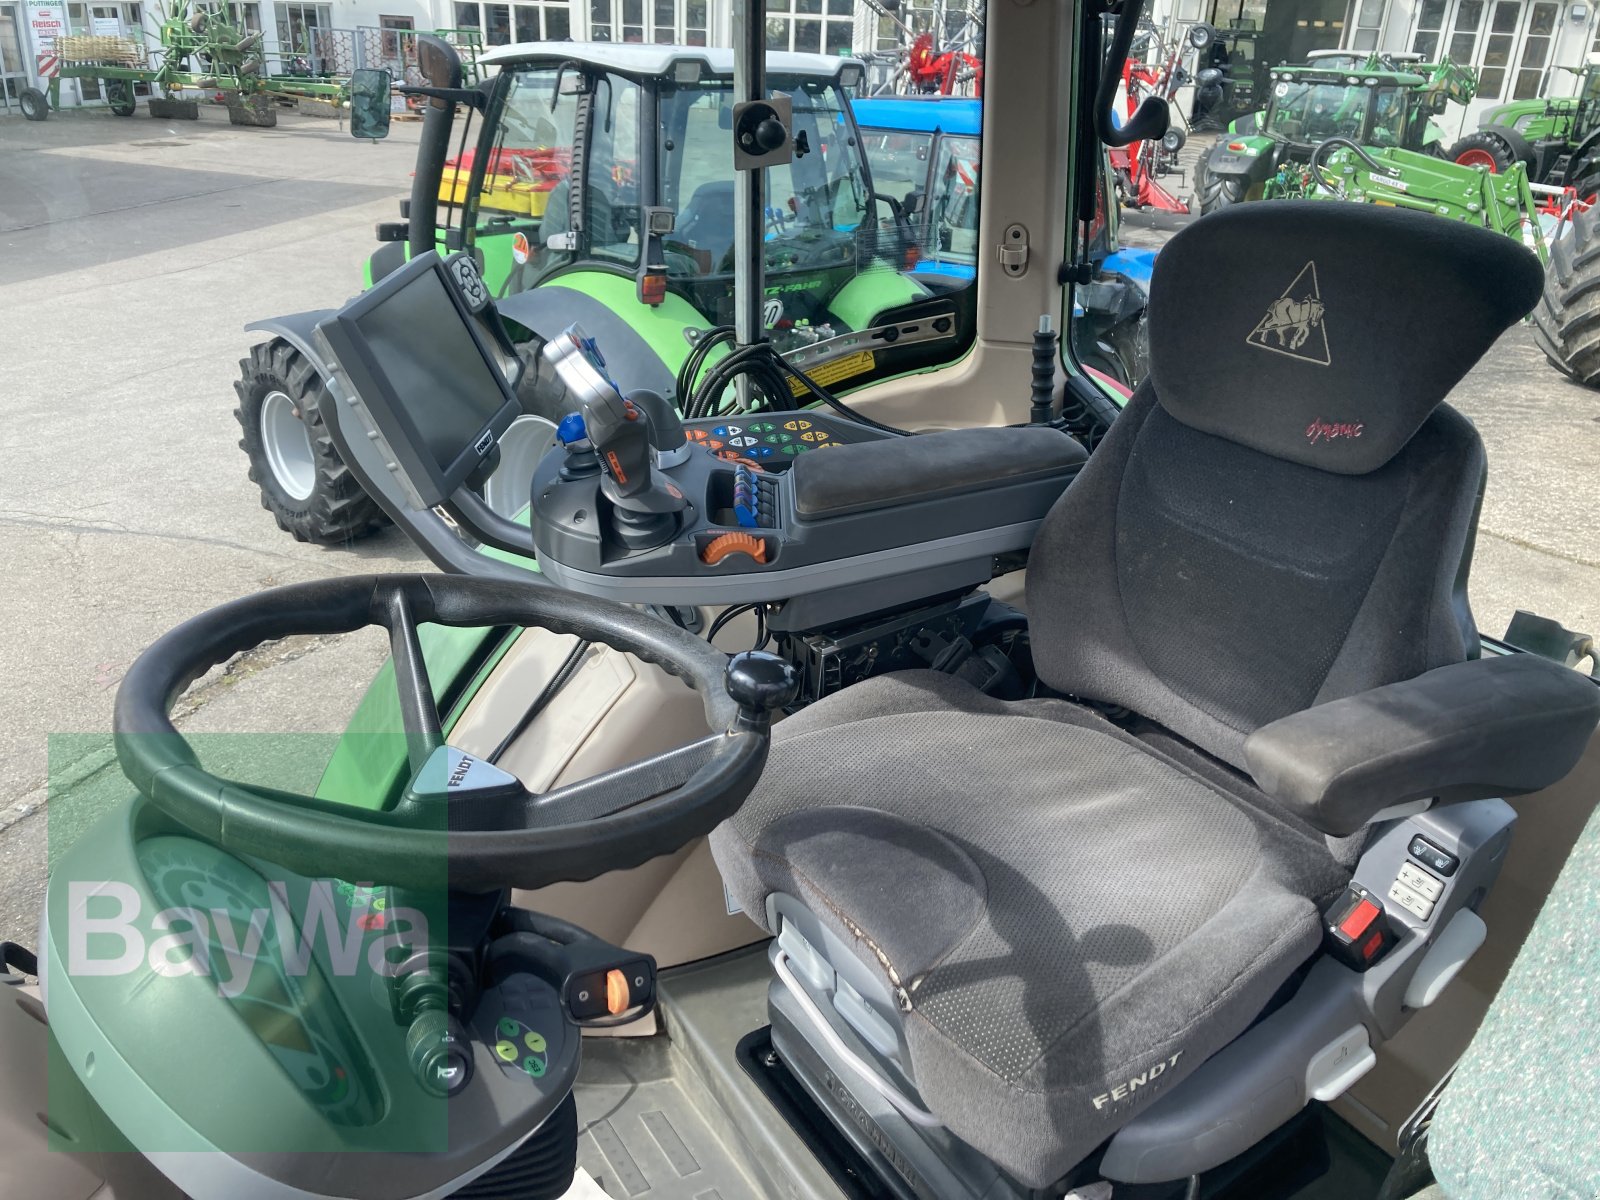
(1520, 47)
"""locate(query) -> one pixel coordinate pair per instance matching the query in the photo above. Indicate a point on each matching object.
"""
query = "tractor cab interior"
(1075, 814)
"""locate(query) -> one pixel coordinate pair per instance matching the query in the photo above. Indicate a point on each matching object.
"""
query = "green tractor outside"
(1557, 140)
(596, 189)
(1378, 103)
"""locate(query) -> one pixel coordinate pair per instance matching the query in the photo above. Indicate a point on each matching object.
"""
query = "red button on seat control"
(1357, 919)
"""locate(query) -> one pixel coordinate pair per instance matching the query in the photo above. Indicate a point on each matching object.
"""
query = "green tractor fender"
(385, 260)
(644, 345)
(1540, 118)
(1583, 164)
(296, 329)
(1255, 159)
(865, 296)
(1248, 125)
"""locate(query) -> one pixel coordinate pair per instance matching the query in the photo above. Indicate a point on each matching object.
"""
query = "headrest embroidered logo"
(1293, 324)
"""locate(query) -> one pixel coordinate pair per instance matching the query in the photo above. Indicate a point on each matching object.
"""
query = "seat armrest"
(1499, 726)
(881, 474)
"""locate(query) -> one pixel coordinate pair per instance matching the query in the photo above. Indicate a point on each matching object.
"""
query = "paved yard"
(132, 252)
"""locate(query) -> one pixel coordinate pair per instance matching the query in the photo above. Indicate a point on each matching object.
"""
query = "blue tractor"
(923, 152)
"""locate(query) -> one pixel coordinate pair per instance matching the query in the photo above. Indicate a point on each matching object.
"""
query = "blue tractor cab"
(924, 153)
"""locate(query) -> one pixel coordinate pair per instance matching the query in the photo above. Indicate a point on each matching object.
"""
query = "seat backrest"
(707, 220)
(1282, 513)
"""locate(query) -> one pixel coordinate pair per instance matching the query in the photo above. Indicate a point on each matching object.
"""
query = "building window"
(298, 25)
(527, 21)
(1430, 21)
(1497, 49)
(1464, 30)
(816, 26)
(664, 22)
(1369, 24)
(1536, 45)
(392, 27)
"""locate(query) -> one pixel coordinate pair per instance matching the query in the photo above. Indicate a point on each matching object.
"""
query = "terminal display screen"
(427, 368)
(441, 379)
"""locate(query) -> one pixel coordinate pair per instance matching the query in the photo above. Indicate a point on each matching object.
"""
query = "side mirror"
(439, 63)
(912, 204)
(369, 104)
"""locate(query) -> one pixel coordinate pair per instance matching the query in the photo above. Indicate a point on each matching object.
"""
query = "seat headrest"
(1324, 333)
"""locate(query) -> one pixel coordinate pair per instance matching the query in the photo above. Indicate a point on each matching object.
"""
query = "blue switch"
(571, 429)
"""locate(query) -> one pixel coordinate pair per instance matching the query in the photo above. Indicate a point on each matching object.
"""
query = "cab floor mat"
(641, 1135)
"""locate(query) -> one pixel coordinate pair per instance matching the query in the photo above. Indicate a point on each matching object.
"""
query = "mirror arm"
(472, 97)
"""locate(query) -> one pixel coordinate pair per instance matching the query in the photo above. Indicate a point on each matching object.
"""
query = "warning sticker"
(830, 373)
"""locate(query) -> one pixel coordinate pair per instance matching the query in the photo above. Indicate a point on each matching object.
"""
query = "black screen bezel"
(434, 482)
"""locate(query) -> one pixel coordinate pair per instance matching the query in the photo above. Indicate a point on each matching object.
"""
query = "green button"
(533, 1066)
(507, 1028)
(762, 427)
(794, 450)
(534, 1042)
(506, 1050)
(782, 438)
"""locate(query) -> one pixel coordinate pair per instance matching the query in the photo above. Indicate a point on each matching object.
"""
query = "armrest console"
(1498, 726)
(871, 475)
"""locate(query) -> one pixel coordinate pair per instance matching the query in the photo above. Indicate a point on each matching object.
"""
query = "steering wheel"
(462, 823)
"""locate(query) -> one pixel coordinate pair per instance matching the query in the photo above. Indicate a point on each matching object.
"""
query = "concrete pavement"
(132, 253)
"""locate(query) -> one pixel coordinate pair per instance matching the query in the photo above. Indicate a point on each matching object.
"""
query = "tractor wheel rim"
(1477, 158)
(287, 445)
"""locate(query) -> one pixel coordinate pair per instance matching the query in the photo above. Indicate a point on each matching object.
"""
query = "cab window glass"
(1386, 110)
(524, 226)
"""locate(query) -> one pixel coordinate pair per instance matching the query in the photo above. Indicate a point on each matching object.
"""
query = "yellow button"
(534, 1042)
(506, 1051)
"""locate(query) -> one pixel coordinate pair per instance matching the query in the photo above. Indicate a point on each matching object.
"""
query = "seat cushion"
(1070, 921)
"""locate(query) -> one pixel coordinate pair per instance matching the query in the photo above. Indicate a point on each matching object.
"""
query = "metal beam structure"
(749, 187)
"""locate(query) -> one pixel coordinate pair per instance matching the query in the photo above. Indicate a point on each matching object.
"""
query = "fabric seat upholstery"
(1071, 919)
(1023, 920)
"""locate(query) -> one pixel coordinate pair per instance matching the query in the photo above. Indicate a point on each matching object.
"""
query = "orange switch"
(617, 999)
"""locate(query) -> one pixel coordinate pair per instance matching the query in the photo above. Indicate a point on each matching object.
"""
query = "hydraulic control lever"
(644, 502)
(599, 984)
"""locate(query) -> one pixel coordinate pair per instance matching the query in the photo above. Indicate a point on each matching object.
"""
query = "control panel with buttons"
(725, 524)
(1416, 891)
(775, 440)
(1430, 856)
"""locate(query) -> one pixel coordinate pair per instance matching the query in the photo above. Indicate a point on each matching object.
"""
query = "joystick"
(644, 503)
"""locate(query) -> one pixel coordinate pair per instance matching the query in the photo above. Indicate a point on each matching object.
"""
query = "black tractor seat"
(1036, 925)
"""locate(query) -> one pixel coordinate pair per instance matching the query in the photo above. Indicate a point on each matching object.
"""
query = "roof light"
(850, 76)
(686, 70)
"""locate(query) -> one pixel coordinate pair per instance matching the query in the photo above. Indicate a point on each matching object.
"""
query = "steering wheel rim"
(422, 846)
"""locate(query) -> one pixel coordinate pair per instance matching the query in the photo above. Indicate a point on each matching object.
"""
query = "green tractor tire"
(304, 484)
(1566, 324)
(1219, 191)
(1483, 148)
